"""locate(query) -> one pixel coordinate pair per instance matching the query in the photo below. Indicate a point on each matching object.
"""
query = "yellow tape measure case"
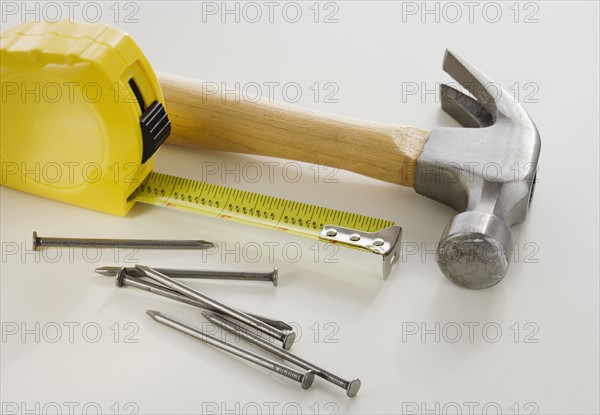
(81, 114)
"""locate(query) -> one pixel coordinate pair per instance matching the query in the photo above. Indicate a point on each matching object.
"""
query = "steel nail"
(350, 386)
(272, 276)
(305, 379)
(123, 279)
(39, 241)
(286, 338)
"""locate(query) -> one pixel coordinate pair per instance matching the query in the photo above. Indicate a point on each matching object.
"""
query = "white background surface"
(348, 319)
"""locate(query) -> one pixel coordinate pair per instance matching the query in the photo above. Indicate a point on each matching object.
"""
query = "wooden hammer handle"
(203, 117)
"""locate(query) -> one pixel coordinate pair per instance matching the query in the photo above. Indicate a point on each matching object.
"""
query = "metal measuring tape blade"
(352, 230)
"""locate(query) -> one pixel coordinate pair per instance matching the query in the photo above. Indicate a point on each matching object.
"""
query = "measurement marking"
(171, 193)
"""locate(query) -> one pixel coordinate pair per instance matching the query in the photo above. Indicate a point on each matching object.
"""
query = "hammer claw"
(476, 82)
(464, 109)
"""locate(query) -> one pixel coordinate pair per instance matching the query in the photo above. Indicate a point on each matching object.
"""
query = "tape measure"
(82, 102)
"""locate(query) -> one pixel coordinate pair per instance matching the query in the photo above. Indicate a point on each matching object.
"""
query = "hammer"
(485, 171)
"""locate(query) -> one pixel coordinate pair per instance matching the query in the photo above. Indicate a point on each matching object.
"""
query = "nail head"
(36, 241)
(289, 340)
(353, 388)
(120, 277)
(308, 379)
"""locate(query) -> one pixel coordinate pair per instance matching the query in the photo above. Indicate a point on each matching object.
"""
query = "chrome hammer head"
(486, 172)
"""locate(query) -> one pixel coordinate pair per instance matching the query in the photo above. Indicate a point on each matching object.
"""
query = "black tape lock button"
(156, 127)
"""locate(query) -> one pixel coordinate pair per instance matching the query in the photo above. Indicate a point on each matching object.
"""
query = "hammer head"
(486, 172)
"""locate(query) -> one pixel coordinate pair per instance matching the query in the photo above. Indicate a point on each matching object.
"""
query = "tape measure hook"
(386, 242)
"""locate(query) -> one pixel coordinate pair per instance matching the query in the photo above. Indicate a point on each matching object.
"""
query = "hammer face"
(486, 173)
(474, 251)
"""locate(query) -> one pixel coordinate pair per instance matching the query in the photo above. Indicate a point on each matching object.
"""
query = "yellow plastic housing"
(70, 128)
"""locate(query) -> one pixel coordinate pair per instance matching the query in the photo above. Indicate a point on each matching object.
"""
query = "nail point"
(153, 313)
(103, 270)
(208, 314)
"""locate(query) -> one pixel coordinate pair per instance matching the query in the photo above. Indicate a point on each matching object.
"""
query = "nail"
(39, 241)
(286, 338)
(305, 379)
(272, 276)
(122, 279)
(350, 386)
